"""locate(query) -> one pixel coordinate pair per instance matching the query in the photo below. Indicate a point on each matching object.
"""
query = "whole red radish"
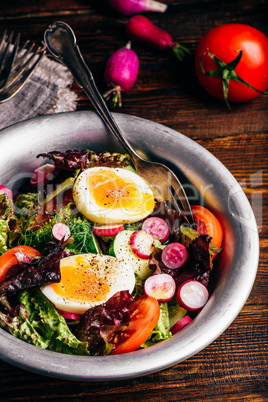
(120, 74)
(142, 30)
(128, 7)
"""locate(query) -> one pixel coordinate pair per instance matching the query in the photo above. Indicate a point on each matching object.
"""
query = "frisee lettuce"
(45, 327)
(10, 225)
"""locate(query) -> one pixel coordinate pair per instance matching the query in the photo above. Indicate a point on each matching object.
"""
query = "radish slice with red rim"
(180, 324)
(192, 295)
(156, 227)
(141, 244)
(162, 287)
(60, 231)
(69, 316)
(41, 173)
(174, 255)
(7, 191)
(108, 230)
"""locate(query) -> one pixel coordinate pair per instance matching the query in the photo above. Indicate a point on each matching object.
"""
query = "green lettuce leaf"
(21, 328)
(10, 225)
(26, 208)
(161, 330)
(175, 311)
(189, 234)
(3, 236)
(49, 324)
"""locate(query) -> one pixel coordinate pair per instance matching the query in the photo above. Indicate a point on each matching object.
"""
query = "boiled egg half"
(88, 280)
(112, 195)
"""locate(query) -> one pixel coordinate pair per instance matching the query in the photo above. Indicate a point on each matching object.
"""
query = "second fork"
(17, 63)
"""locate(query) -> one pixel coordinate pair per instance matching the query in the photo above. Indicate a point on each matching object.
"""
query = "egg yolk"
(109, 190)
(79, 284)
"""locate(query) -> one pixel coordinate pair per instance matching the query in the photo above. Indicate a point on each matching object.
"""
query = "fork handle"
(61, 41)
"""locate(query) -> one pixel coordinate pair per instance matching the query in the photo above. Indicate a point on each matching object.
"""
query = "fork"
(61, 42)
(17, 63)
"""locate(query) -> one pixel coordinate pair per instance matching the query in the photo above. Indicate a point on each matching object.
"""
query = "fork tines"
(17, 63)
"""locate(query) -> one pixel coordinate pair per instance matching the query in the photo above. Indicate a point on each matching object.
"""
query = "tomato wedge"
(208, 224)
(8, 259)
(144, 317)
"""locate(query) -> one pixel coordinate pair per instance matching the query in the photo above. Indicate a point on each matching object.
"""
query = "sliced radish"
(22, 257)
(174, 255)
(7, 191)
(156, 227)
(162, 287)
(40, 174)
(141, 244)
(69, 316)
(192, 295)
(180, 324)
(108, 230)
(60, 231)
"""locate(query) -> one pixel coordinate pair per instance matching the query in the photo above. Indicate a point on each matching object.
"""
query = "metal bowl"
(207, 182)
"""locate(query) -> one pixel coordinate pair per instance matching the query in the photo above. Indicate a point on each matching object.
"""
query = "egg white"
(106, 215)
(118, 275)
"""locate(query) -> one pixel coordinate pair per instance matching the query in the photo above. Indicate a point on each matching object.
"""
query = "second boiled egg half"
(88, 280)
(108, 195)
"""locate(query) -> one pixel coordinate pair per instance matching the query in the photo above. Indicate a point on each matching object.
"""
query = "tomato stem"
(226, 72)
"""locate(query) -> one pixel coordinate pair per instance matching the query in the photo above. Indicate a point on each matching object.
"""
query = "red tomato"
(8, 259)
(208, 224)
(224, 42)
(144, 317)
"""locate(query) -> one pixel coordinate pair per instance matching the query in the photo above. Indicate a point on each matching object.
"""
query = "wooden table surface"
(234, 366)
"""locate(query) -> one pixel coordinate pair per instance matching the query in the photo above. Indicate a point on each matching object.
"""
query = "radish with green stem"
(120, 74)
(128, 7)
(142, 30)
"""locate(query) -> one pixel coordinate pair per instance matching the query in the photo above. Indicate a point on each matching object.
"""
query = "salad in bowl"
(76, 340)
(91, 264)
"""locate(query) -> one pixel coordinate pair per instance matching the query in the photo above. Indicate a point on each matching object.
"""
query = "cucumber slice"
(94, 245)
(83, 240)
(175, 314)
(130, 168)
(120, 248)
